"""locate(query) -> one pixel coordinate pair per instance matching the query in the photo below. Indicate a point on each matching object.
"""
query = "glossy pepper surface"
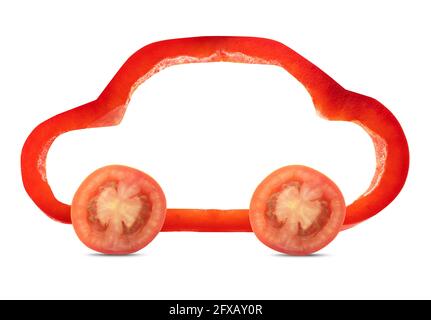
(330, 99)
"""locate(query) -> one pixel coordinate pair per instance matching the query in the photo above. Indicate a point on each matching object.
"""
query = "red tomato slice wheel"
(297, 210)
(118, 210)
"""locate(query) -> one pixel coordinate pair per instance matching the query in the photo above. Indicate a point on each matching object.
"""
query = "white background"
(209, 133)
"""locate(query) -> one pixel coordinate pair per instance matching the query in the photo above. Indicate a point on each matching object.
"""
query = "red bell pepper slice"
(331, 101)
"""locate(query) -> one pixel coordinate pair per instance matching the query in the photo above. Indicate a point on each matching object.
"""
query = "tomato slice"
(118, 210)
(297, 210)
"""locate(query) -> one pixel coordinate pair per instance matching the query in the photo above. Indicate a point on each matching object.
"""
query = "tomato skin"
(94, 238)
(280, 238)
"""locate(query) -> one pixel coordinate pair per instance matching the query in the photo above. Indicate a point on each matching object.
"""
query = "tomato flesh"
(297, 210)
(118, 210)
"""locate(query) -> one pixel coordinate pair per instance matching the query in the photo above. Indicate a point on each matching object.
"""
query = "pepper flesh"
(331, 102)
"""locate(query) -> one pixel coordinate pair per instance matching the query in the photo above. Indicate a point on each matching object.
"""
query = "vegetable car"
(296, 210)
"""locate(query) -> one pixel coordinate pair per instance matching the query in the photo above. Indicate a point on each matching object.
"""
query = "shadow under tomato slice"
(118, 210)
(297, 210)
